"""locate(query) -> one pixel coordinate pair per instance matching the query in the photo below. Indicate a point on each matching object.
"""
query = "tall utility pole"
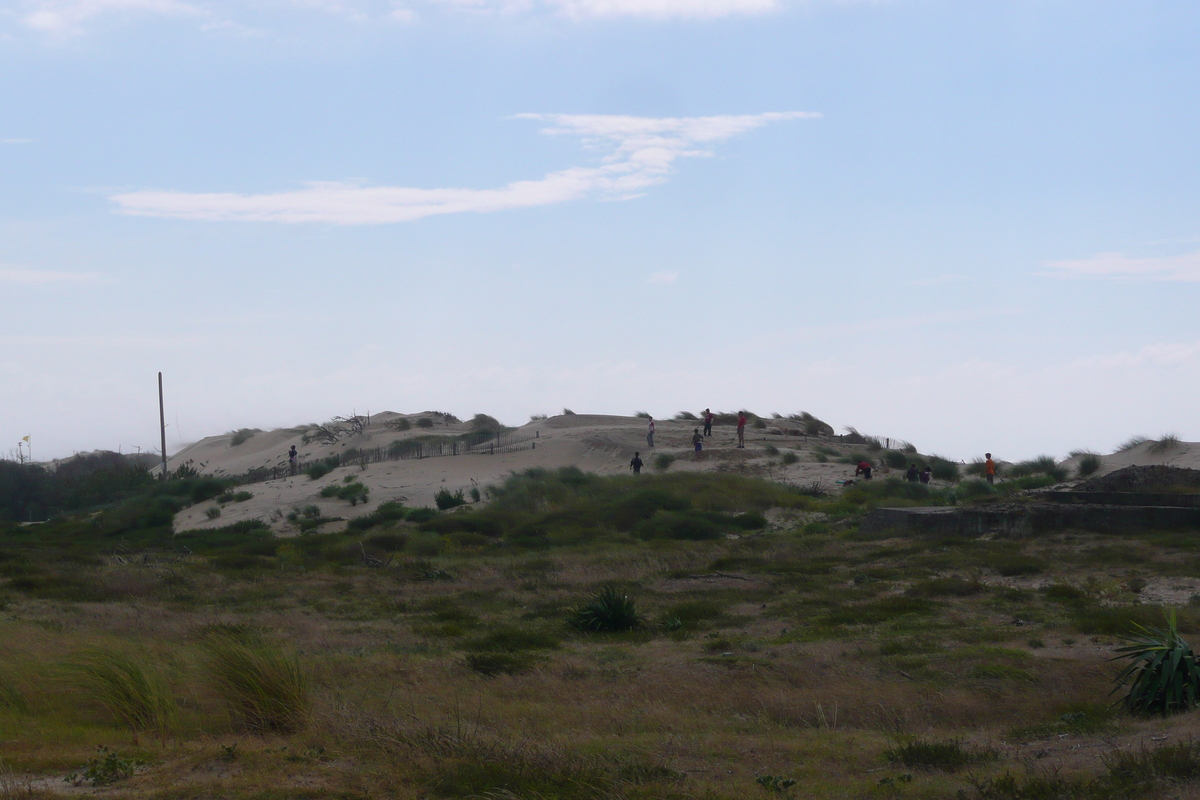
(162, 426)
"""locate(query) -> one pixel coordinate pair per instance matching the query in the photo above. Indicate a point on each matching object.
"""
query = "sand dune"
(596, 443)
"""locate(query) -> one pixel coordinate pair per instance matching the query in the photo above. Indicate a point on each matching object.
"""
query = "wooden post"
(162, 426)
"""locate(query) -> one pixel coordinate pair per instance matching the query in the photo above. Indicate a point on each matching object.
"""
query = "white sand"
(592, 442)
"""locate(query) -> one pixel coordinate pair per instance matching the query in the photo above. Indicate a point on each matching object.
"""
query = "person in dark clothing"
(697, 441)
(636, 464)
(926, 475)
(708, 418)
(912, 475)
(292, 457)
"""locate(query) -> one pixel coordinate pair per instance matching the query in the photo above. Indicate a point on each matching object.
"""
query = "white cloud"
(663, 9)
(1118, 266)
(42, 276)
(638, 153)
(596, 9)
(68, 16)
(663, 278)
(72, 16)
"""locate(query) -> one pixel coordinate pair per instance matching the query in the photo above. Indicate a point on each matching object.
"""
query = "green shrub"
(388, 542)
(1131, 442)
(242, 436)
(1162, 673)
(1170, 763)
(662, 461)
(212, 512)
(688, 525)
(1017, 565)
(318, 469)
(790, 458)
(943, 469)
(353, 492)
(264, 686)
(1167, 443)
(1042, 465)
(771, 450)
(137, 698)
(895, 459)
(608, 610)
(424, 422)
(103, 770)
(491, 664)
(811, 425)
(1089, 463)
(949, 755)
(445, 500)
(420, 515)
(945, 587)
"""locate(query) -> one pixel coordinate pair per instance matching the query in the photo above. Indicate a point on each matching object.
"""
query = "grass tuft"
(136, 697)
(948, 756)
(264, 686)
(1165, 444)
(608, 610)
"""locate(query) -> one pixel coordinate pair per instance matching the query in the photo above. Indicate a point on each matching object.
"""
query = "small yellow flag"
(26, 439)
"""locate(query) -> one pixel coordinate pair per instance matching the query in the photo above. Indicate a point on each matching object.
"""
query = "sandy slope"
(594, 443)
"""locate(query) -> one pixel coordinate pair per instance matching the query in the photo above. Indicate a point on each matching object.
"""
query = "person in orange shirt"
(989, 468)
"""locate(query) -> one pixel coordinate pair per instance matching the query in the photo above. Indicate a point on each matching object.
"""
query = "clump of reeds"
(1089, 462)
(1165, 444)
(135, 696)
(264, 685)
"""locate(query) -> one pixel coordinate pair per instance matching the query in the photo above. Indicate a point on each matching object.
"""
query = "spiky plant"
(265, 686)
(1163, 673)
(132, 694)
(610, 609)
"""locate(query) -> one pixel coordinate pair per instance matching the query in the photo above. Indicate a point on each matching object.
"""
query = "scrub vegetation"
(674, 635)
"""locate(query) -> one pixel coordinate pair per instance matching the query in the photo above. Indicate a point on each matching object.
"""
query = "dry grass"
(799, 655)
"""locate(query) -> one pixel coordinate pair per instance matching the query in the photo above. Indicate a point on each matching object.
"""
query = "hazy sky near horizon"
(972, 224)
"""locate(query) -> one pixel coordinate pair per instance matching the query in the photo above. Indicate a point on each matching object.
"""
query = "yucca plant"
(1163, 672)
(265, 686)
(133, 695)
(610, 609)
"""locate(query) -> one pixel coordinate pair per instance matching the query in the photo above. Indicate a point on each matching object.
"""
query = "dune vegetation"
(670, 635)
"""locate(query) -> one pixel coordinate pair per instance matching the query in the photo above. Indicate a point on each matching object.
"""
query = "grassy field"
(775, 652)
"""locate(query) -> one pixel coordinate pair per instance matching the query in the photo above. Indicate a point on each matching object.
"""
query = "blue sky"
(968, 224)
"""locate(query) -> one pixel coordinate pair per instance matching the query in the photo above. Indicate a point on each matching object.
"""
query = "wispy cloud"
(591, 9)
(1118, 266)
(44, 276)
(69, 16)
(73, 16)
(637, 154)
(663, 278)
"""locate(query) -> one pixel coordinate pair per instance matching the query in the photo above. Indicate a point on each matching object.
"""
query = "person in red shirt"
(989, 468)
(741, 429)
(864, 469)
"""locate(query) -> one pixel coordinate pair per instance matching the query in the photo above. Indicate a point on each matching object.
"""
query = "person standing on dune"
(741, 429)
(650, 433)
(989, 468)
(636, 464)
(708, 418)
(697, 442)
